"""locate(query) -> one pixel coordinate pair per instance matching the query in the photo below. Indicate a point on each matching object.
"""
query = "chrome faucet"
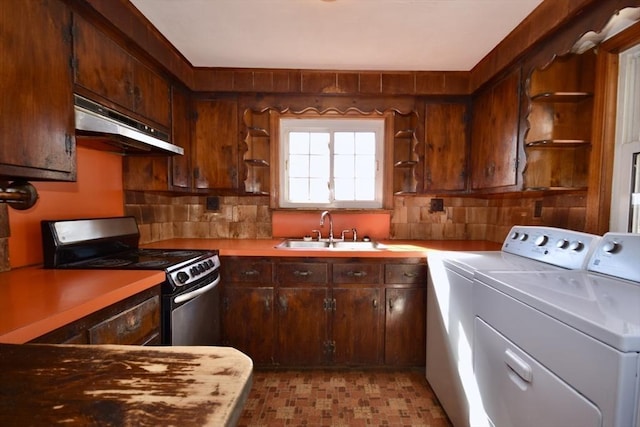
(322, 217)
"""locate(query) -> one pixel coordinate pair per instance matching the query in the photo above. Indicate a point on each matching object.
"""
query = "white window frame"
(331, 125)
(627, 140)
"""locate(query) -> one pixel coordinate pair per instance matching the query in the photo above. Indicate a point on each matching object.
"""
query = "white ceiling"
(410, 35)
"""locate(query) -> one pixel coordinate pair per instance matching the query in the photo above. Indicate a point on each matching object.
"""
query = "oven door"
(193, 316)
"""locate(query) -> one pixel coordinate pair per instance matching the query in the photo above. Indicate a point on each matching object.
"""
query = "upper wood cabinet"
(445, 148)
(215, 145)
(36, 109)
(104, 68)
(558, 139)
(494, 135)
(165, 173)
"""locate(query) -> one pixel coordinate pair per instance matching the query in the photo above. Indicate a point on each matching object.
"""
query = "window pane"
(365, 189)
(298, 189)
(319, 143)
(299, 142)
(344, 189)
(319, 190)
(365, 166)
(344, 143)
(366, 143)
(343, 166)
(298, 166)
(319, 167)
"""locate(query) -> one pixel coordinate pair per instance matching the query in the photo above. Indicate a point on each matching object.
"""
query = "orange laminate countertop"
(267, 247)
(35, 301)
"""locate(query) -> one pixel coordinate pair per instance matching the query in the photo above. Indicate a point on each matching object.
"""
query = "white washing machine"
(561, 348)
(449, 364)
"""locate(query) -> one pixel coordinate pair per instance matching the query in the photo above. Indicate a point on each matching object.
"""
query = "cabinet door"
(216, 144)
(248, 322)
(101, 65)
(445, 147)
(106, 69)
(151, 95)
(356, 326)
(302, 326)
(36, 107)
(405, 326)
(160, 173)
(494, 135)
(136, 325)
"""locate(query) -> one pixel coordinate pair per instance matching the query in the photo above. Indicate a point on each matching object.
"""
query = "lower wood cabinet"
(325, 311)
(135, 320)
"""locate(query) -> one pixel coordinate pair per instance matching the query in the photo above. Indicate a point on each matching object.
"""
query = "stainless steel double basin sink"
(331, 245)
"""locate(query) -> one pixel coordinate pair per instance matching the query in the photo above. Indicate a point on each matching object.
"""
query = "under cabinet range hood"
(113, 131)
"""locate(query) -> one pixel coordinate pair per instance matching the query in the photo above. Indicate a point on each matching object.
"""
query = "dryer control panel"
(617, 255)
(563, 248)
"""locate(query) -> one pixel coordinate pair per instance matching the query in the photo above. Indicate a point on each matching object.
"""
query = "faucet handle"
(343, 233)
(319, 234)
(355, 234)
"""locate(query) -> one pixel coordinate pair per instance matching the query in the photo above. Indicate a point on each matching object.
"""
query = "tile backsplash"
(464, 218)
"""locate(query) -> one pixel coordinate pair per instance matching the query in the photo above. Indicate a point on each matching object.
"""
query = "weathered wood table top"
(122, 385)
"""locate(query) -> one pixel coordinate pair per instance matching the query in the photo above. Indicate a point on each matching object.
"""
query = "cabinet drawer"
(132, 326)
(246, 271)
(297, 273)
(357, 273)
(405, 273)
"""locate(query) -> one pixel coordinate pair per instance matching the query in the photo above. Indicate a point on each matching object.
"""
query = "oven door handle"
(191, 295)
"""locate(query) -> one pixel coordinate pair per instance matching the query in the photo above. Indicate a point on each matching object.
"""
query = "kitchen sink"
(325, 244)
(303, 244)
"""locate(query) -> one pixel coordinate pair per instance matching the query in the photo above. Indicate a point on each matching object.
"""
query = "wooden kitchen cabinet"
(445, 148)
(135, 320)
(558, 138)
(165, 173)
(303, 308)
(104, 68)
(215, 145)
(494, 135)
(248, 311)
(36, 109)
(325, 311)
(405, 318)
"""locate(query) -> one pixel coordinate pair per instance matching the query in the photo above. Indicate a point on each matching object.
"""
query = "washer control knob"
(541, 240)
(576, 246)
(562, 243)
(611, 247)
(182, 277)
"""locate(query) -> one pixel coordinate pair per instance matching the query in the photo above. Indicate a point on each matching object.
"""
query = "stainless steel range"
(190, 293)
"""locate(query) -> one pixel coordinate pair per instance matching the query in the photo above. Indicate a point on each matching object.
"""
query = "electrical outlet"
(437, 205)
(537, 209)
(213, 204)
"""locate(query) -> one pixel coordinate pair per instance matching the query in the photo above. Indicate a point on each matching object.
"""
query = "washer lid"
(603, 307)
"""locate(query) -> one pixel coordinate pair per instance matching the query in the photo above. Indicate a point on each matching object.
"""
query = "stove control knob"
(541, 240)
(576, 246)
(182, 277)
(200, 268)
(562, 243)
(193, 271)
(611, 247)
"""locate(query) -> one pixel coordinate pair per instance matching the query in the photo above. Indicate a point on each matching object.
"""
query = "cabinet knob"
(283, 303)
(375, 303)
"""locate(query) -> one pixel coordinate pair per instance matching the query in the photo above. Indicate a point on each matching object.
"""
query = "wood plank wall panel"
(572, 17)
